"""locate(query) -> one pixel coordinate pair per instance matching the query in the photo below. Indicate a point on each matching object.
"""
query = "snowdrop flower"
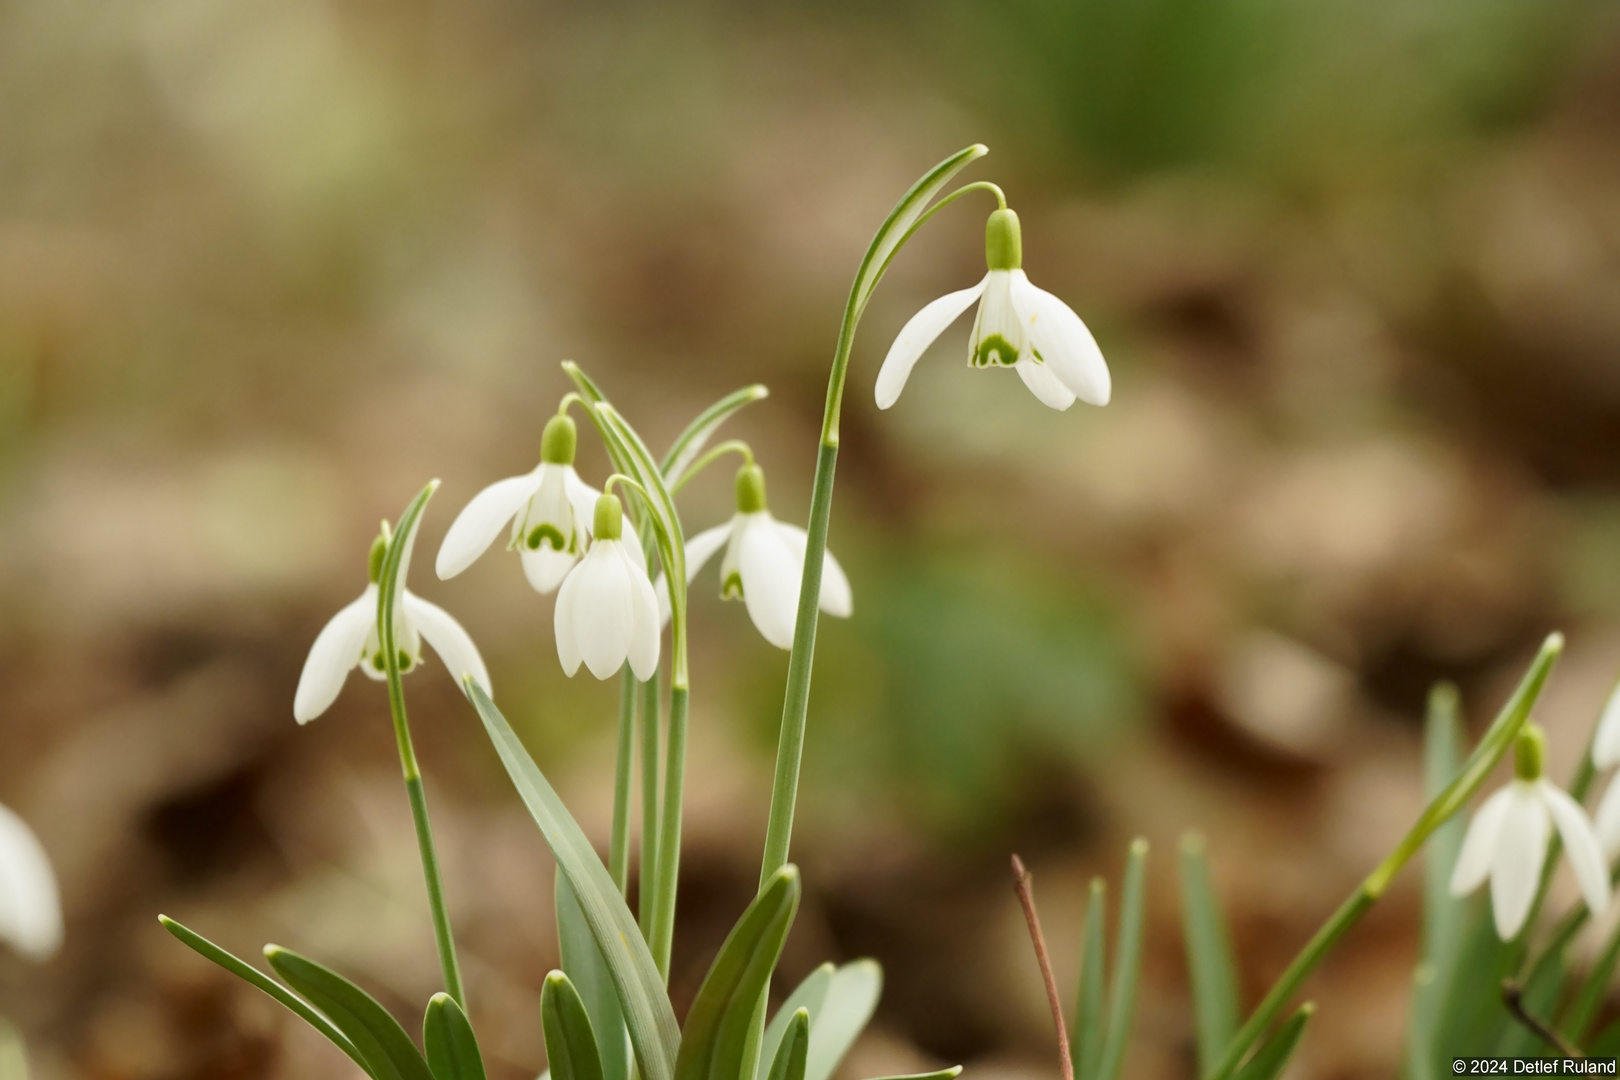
(1017, 326)
(549, 508)
(30, 907)
(763, 565)
(1605, 755)
(606, 612)
(350, 640)
(1507, 841)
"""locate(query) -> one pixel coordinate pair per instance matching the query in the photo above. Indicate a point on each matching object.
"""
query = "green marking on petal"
(547, 534)
(731, 588)
(995, 351)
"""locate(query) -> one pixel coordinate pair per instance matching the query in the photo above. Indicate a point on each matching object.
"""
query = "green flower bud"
(1529, 752)
(558, 441)
(609, 523)
(1003, 241)
(750, 489)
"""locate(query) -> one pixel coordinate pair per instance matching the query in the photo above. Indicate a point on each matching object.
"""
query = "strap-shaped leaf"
(852, 997)
(381, 1041)
(250, 974)
(570, 1042)
(447, 1037)
(690, 443)
(1589, 998)
(1091, 1016)
(1127, 963)
(898, 224)
(13, 1053)
(939, 1074)
(787, 1063)
(583, 963)
(1210, 967)
(809, 996)
(1445, 917)
(1273, 1055)
(654, 1034)
(714, 1041)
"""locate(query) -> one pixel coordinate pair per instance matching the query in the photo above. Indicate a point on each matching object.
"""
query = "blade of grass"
(1210, 967)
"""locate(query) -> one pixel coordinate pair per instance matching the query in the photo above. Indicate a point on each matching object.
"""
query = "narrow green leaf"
(377, 1035)
(852, 997)
(250, 974)
(1589, 998)
(653, 1032)
(898, 224)
(1420, 1059)
(447, 1037)
(1471, 1013)
(939, 1074)
(1127, 963)
(809, 996)
(787, 1062)
(583, 963)
(1444, 915)
(690, 443)
(570, 1042)
(1273, 1054)
(1210, 967)
(13, 1053)
(715, 1038)
(1091, 1019)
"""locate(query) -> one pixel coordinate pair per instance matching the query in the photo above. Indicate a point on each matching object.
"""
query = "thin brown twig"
(1021, 885)
(1513, 998)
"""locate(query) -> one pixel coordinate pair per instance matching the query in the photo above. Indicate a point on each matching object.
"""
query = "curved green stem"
(730, 446)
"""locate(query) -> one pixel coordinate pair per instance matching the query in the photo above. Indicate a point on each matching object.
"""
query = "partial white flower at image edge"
(350, 640)
(1507, 841)
(30, 905)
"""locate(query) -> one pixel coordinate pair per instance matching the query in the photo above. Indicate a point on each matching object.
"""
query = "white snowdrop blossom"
(30, 906)
(1606, 755)
(763, 565)
(1507, 841)
(350, 640)
(606, 612)
(549, 510)
(1017, 326)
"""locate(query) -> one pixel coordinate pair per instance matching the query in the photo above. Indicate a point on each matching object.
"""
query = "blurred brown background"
(266, 266)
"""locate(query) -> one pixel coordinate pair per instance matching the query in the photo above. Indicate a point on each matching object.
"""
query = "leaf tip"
(1139, 847)
(1193, 842)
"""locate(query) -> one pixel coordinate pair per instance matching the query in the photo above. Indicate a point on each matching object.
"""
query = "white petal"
(916, 336)
(602, 611)
(563, 624)
(1606, 743)
(582, 497)
(448, 639)
(336, 651)
(644, 623)
(1521, 849)
(1044, 385)
(545, 567)
(836, 596)
(771, 571)
(699, 550)
(1063, 341)
(482, 520)
(1479, 845)
(1607, 819)
(1580, 843)
(30, 906)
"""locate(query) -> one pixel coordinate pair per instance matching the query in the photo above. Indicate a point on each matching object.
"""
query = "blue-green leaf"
(1273, 1054)
(1127, 963)
(809, 996)
(589, 973)
(852, 997)
(787, 1062)
(250, 974)
(570, 1042)
(1444, 915)
(653, 1032)
(1210, 967)
(714, 1042)
(1091, 1017)
(690, 443)
(381, 1041)
(447, 1038)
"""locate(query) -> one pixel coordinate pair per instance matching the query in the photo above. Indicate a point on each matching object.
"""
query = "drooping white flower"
(1606, 741)
(1017, 326)
(350, 640)
(30, 906)
(606, 612)
(549, 509)
(1507, 841)
(763, 565)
